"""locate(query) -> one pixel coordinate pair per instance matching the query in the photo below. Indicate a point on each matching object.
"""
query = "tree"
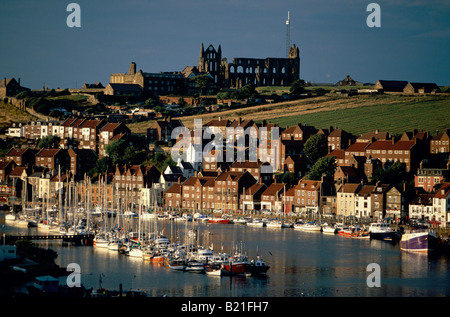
(297, 87)
(324, 166)
(102, 165)
(50, 141)
(288, 178)
(395, 174)
(116, 149)
(316, 147)
(202, 82)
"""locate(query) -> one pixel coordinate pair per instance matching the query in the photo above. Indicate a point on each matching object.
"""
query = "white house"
(441, 205)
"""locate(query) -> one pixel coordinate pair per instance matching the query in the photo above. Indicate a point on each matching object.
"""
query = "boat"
(10, 217)
(136, 252)
(238, 265)
(345, 231)
(218, 220)
(195, 266)
(311, 226)
(359, 233)
(177, 264)
(257, 267)
(382, 231)
(329, 229)
(114, 244)
(419, 241)
(256, 223)
(299, 225)
(274, 224)
(213, 269)
(100, 241)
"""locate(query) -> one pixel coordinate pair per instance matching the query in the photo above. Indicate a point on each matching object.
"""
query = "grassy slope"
(357, 114)
(10, 114)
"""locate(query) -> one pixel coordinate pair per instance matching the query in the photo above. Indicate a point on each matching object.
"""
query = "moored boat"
(258, 267)
(419, 241)
(311, 226)
(381, 231)
(329, 229)
(177, 264)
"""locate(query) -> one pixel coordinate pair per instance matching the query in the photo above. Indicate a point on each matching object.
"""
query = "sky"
(37, 46)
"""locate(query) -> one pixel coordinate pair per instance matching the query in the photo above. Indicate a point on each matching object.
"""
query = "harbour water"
(302, 264)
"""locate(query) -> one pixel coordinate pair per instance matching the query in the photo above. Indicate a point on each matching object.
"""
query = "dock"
(81, 239)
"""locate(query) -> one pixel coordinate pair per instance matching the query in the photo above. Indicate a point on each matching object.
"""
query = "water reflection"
(302, 264)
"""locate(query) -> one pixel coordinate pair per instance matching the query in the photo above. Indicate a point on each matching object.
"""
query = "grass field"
(393, 114)
(10, 114)
(356, 114)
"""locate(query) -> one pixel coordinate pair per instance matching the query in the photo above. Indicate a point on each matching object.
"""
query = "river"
(309, 264)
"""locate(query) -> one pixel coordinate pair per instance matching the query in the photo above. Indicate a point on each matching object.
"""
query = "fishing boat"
(257, 267)
(359, 233)
(345, 231)
(419, 241)
(381, 231)
(238, 265)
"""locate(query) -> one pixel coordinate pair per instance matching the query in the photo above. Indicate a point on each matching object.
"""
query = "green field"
(428, 113)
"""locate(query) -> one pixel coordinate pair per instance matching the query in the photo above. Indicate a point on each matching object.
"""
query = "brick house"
(198, 193)
(52, 159)
(81, 161)
(395, 203)
(129, 180)
(298, 165)
(172, 196)
(5, 168)
(440, 143)
(379, 200)
(228, 187)
(110, 132)
(271, 198)
(338, 139)
(307, 196)
(251, 198)
(21, 157)
(391, 151)
(257, 169)
(161, 130)
(87, 134)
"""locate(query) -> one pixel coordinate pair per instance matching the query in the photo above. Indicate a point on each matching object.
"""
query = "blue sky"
(413, 42)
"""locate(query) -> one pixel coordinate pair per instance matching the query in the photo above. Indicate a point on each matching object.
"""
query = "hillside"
(356, 114)
(10, 114)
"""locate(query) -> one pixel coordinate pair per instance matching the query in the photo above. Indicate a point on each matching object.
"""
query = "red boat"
(218, 220)
(238, 265)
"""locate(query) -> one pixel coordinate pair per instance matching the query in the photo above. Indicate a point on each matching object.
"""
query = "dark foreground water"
(310, 264)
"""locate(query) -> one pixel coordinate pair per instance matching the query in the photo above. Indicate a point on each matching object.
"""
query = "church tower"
(209, 62)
